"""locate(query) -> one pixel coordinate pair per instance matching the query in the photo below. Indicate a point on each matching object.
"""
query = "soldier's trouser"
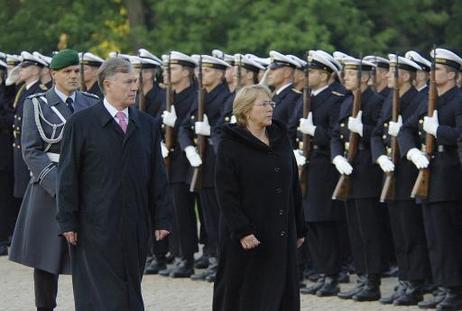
(443, 229)
(409, 239)
(324, 246)
(185, 219)
(388, 248)
(364, 229)
(46, 289)
(209, 205)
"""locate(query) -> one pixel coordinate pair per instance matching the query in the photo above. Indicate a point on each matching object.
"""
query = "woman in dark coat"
(261, 218)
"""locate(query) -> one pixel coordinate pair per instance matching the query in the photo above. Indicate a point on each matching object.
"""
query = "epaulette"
(89, 94)
(43, 87)
(297, 91)
(337, 93)
(36, 95)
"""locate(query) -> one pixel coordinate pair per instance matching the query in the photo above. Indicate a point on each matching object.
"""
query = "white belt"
(54, 157)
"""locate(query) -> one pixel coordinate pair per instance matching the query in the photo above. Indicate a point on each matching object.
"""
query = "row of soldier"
(327, 102)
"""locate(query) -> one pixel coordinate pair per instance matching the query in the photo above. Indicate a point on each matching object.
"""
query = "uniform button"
(385, 125)
(342, 124)
(281, 212)
(277, 169)
(19, 118)
(192, 117)
(341, 136)
(420, 121)
(283, 233)
(192, 127)
(14, 145)
(420, 133)
(384, 136)
(278, 190)
(227, 119)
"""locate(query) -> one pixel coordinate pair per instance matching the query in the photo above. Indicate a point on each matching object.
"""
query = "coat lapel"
(132, 124)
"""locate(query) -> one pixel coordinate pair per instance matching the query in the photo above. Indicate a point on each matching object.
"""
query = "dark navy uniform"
(442, 214)
(21, 171)
(154, 100)
(363, 217)
(95, 89)
(214, 101)
(285, 103)
(405, 215)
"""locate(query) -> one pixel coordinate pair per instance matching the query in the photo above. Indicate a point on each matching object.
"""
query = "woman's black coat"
(258, 192)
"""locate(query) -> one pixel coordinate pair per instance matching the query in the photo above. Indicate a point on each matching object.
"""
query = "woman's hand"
(300, 242)
(249, 242)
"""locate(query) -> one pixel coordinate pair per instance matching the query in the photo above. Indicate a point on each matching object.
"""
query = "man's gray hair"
(111, 67)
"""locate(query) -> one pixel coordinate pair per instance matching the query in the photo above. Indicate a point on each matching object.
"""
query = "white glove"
(431, 124)
(164, 150)
(169, 117)
(203, 128)
(393, 127)
(418, 158)
(355, 124)
(192, 156)
(307, 126)
(13, 76)
(233, 119)
(342, 165)
(385, 164)
(299, 157)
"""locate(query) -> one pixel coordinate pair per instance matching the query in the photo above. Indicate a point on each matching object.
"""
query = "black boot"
(452, 301)
(311, 290)
(360, 284)
(210, 271)
(398, 290)
(330, 287)
(156, 265)
(202, 262)
(184, 270)
(343, 277)
(438, 296)
(371, 291)
(44, 309)
(412, 296)
(3, 250)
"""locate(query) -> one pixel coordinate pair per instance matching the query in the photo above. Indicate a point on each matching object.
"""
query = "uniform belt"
(54, 157)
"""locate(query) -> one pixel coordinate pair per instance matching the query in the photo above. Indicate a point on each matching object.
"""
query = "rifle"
(141, 96)
(420, 189)
(83, 86)
(388, 190)
(169, 131)
(342, 189)
(239, 73)
(196, 181)
(374, 76)
(306, 138)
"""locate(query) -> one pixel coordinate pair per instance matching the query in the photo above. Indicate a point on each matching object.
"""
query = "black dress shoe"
(350, 293)
(329, 288)
(371, 291)
(211, 277)
(202, 262)
(343, 277)
(211, 270)
(183, 270)
(3, 250)
(315, 277)
(155, 267)
(412, 296)
(452, 301)
(311, 290)
(398, 290)
(438, 296)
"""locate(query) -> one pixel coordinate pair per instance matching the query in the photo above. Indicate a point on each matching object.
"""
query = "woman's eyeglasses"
(266, 104)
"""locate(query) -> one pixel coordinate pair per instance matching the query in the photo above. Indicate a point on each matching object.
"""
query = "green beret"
(64, 58)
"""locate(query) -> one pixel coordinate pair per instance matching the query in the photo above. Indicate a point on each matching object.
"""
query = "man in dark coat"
(404, 214)
(442, 215)
(35, 241)
(216, 94)
(362, 208)
(112, 194)
(321, 212)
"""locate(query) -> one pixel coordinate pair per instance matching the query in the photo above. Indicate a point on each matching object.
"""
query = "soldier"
(36, 242)
(216, 93)
(321, 212)
(405, 215)
(90, 64)
(299, 73)
(265, 62)
(45, 76)
(441, 209)
(362, 209)
(422, 75)
(230, 77)
(29, 75)
(379, 81)
(280, 78)
(154, 94)
(180, 71)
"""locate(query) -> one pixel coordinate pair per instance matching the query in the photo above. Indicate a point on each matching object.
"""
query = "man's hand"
(249, 242)
(71, 237)
(161, 234)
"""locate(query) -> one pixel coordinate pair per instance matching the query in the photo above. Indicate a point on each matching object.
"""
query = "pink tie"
(122, 120)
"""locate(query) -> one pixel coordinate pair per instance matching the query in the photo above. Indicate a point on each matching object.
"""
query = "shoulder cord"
(38, 114)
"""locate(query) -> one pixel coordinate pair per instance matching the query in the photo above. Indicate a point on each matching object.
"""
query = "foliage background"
(197, 26)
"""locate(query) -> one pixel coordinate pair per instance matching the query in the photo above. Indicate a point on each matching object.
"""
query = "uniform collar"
(28, 86)
(316, 92)
(282, 88)
(63, 96)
